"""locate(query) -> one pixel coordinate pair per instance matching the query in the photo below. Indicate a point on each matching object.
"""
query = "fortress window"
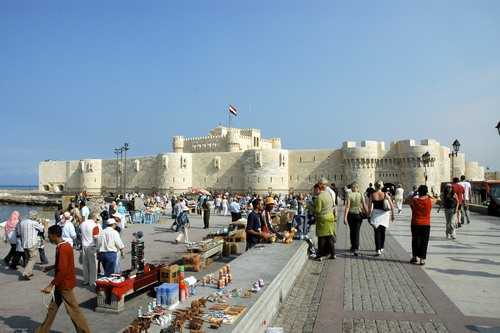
(183, 179)
(300, 159)
(297, 178)
(314, 158)
(291, 178)
(46, 187)
(258, 179)
(173, 179)
(271, 179)
(231, 179)
(282, 180)
(60, 188)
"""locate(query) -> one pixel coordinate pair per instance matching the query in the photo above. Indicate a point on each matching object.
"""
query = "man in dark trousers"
(205, 206)
(63, 283)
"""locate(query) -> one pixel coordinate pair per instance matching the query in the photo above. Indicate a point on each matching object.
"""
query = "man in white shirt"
(90, 233)
(467, 196)
(68, 229)
(85, 211)
(330, 191)
(109, 244)
(235, 209)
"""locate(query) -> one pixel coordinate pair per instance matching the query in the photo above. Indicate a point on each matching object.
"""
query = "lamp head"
(498, 127)
(456, 146)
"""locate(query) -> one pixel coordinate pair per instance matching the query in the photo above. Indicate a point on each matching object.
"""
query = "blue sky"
(80, 78)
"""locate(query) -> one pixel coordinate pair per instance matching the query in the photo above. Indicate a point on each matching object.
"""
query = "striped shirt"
(28, 230)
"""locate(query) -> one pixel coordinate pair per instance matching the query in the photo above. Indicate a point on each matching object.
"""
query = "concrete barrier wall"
(259, 316)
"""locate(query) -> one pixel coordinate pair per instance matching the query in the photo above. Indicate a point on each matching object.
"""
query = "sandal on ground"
(422, 262)
(413, 261)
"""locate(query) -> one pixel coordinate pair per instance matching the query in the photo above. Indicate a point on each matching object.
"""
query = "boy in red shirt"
(63, 283)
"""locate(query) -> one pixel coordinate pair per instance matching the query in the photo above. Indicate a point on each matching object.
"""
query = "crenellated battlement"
(233, 159)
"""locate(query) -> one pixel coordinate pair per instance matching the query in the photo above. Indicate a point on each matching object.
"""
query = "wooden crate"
(169, 274)
(109, 302)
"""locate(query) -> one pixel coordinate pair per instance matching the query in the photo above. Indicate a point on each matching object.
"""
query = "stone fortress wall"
(232, 159)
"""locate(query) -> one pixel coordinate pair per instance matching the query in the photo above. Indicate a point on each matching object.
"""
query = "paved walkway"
(380, 294)
(22, 304)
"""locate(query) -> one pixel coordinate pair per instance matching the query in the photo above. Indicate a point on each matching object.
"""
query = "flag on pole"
(233, 110)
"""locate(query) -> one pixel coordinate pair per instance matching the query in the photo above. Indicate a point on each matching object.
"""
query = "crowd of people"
(95, 231)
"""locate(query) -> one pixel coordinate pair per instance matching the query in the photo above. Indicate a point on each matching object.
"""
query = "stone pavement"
(383, 294)
(21, 302)
(472, 261)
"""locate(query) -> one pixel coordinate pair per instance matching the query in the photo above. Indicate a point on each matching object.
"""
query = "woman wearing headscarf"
(381, 212)
(10, 236)
(121, 210)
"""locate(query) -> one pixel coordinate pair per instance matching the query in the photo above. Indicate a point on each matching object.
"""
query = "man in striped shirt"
(28, 230)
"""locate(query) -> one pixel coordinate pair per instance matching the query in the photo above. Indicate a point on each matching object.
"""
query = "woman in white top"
(398, 197)
(381, 212)
(225, 210)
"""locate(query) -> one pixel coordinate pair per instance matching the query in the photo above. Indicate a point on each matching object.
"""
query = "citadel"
(240, 160)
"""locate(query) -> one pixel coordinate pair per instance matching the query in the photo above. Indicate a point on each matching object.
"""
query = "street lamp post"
(125, 148)
(426, 158)
(117, 152)
(453, 154)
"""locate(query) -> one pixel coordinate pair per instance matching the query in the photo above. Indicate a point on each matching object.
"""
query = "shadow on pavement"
(464, 272)
(477, 261)
(482, 329)
(21, 323)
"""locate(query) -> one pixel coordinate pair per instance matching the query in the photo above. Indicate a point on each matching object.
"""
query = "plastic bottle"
(182, 285)
(139, 312)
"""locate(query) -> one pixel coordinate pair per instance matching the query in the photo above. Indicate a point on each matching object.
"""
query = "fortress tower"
(178, 144)
(360, 162)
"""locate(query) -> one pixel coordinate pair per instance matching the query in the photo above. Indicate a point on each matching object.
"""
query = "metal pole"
(125, 174)
(117, 172)
(425, 173)
(452, 164)
(121, 178)
(125, 148)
